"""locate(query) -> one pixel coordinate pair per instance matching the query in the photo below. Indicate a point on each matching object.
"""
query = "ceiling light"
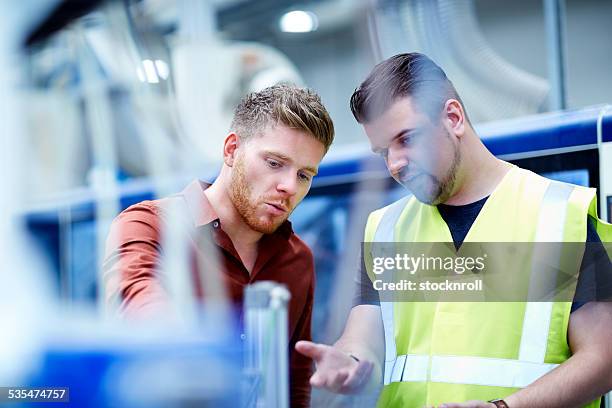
(146, 72)
(298, 21)
(162, 69)
(151, 71)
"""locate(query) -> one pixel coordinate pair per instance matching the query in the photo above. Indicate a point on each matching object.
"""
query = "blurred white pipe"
(26, 306)
(554, 17)
(449, 33)
(99, 120)
(197, 20)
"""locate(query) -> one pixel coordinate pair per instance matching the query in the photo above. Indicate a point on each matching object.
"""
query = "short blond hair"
(294, 107)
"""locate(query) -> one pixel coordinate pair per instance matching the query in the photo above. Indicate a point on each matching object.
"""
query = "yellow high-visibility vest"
(439, 352)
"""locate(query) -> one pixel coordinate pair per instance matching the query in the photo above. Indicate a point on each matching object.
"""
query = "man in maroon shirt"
(278, 138)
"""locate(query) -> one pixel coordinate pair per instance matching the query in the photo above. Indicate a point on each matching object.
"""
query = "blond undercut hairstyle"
(291, 106)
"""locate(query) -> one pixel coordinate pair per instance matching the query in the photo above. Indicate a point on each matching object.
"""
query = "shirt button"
(216, 224)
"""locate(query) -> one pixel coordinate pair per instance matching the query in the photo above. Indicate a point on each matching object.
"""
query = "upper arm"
(590, 329)
(590, 325)
(364, 293)
(132, 259)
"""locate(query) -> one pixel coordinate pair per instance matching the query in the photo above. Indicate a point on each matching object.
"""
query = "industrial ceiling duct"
(491, 87)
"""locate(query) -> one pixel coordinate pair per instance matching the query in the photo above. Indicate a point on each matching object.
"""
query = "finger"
(310, 349)
(335, 382)
(317, 380)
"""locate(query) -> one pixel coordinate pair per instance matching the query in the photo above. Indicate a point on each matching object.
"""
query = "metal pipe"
(98, 116)
(554, 16)
(267, 341)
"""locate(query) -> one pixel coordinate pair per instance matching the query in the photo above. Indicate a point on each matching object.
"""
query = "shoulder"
(580, 198)
(139, 220)
(300, 249)
(142, 211)
(377, 215)
(145, 212)
(587, 192)
(148, 210)
(137, 223)
(397, 205)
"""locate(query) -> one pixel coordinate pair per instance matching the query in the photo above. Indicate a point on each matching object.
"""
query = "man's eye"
(273, 163)
(304, 176)
(405, 140)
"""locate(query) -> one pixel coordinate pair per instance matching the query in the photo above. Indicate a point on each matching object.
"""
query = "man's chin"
(426, 197)
(266, 226)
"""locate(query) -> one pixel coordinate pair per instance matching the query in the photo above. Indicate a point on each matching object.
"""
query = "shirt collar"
(202, 212)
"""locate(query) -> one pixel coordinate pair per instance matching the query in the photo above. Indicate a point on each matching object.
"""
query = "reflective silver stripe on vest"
(494, 372)
(481, 370)
(385, 233)
(551, 227)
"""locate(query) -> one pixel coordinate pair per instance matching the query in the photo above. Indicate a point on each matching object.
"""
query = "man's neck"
(481, 174)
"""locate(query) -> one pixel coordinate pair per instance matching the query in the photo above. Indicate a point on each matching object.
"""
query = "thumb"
(310, 349)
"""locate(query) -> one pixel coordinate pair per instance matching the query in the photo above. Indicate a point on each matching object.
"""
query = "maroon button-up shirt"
(133, 278)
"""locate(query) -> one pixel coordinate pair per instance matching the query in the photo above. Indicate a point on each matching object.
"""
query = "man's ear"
(454, 117)
(230, 148)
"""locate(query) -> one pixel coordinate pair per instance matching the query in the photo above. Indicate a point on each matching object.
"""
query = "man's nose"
(396, 160)
(288, 184)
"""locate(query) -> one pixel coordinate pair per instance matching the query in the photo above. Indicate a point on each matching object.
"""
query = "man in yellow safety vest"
(521, 353)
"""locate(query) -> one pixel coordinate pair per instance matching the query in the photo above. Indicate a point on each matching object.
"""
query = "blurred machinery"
(109, 103)
(448, 32)
(87, 117)
(158, 87)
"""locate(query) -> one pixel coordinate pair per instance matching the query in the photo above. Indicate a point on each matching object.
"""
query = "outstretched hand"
(336, 371)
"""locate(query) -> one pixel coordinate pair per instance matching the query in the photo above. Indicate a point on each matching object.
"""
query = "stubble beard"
(442, 187)
(241, 195)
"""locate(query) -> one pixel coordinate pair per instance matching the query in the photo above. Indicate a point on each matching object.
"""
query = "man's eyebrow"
(403, 132)
(277, 155)
(311, 170)
(282, 157)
